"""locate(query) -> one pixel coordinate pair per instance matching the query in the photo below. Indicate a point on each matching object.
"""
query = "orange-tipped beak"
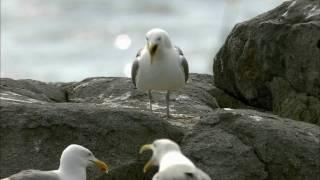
(103, 166)
(150, 163)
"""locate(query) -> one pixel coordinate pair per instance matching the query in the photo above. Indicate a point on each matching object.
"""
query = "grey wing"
(34, 175)
(184, 64)
(135, 68)
(176, 174)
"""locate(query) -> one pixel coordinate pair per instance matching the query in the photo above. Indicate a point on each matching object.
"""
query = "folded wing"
(34, 175)
(135, 68)
(184, 63)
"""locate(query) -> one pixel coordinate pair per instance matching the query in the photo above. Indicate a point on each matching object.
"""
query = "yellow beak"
(151, 162)
(100, 164)
(152, 48)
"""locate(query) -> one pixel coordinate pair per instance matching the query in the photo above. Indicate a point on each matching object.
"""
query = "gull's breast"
(163, 74)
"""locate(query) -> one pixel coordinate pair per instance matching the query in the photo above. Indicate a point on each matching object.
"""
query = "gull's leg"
(150, 99)
(167, 101)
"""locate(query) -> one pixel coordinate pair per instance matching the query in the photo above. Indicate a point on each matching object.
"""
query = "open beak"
(100, 164)
(152, 50)
(151, 162)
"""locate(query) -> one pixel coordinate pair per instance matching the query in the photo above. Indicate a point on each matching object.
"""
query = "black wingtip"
(179, 50)
(139, 53)
(189, 174)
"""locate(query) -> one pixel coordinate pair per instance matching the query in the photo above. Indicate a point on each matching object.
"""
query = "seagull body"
(175, 158)
(181, 172)
(173, 165)
(73, 163)
(159, 65)
(164, 74)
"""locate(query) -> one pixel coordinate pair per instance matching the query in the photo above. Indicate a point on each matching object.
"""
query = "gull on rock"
(73, 163)
(159, 66)
(173, 165)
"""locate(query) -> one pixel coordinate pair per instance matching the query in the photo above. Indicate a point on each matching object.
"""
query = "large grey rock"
(250, 145)
(34, 135)
(273, 61)
(107, 115)
(111, 118)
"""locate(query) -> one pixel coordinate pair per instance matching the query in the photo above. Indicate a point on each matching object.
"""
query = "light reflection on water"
(122, 41)
(70, 40)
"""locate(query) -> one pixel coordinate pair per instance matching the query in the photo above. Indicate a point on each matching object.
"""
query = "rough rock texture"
(31, 90)
(111, 118)
(273, 61)
(107, 115)
(187, 105)
(34, 135)
(247, 144)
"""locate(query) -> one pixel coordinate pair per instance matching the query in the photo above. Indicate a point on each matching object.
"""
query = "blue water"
(69, 40)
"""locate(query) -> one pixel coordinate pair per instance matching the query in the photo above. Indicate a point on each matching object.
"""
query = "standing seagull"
(159, 66)
(173, 165)
(73, 163)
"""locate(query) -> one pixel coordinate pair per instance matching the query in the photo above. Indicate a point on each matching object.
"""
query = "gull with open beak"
(173, 165)
(159, 66)
(73, 163)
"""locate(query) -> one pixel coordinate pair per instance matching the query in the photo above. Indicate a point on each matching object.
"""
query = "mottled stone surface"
(110, 117)
(247, 144)
(273, 61)
(30, 90)
(33, 135)
(186, 105)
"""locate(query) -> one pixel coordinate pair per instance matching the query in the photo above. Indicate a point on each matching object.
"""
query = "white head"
(157, 39)
(159, 148)
(76, 157)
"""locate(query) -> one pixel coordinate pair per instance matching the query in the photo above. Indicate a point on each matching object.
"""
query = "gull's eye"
(89, 154)
(159, 38)
(147, 38)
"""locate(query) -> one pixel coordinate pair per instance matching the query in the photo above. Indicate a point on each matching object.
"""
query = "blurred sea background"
(69, 40)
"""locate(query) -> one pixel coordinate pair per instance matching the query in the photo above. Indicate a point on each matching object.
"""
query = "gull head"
(159, 148)
(157, 39)
(76, 156)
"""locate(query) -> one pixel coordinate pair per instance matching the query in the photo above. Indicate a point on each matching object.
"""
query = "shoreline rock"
(111, 118)
(273, 61)
(247, 144)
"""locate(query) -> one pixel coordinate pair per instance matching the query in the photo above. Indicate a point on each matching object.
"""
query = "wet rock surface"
(273, 61)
